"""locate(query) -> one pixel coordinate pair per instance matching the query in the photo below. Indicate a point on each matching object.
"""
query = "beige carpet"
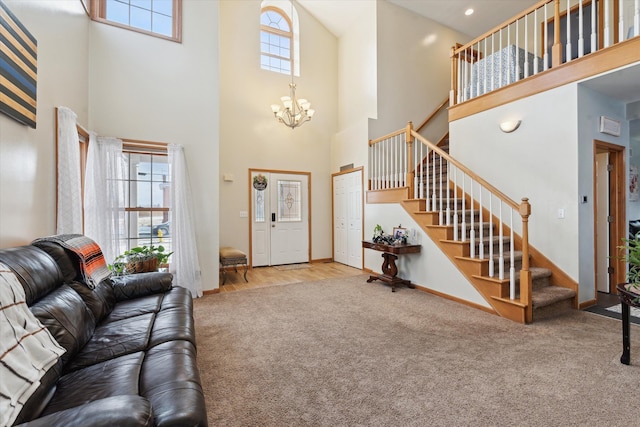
(350, 353)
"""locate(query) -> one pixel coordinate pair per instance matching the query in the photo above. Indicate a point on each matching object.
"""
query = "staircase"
(473, 236)
(547, 300)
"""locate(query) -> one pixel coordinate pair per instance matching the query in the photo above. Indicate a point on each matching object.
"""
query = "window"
(159, 18)
(276, 40)
(147, 220)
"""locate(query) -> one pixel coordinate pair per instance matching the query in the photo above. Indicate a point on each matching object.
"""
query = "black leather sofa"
(130, 345)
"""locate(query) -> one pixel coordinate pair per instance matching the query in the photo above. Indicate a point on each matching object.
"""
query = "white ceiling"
(338, 15)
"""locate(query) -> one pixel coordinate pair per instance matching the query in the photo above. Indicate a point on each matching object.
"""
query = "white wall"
(430, 268)
(538, 161)
(250, 137)
(147, 88)
(413, 67)
(27, 156)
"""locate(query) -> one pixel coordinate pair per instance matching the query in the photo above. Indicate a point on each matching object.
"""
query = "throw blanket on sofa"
(27, 349)
(92, 264)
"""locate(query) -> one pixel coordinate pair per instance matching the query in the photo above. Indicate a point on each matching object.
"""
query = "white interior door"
(347, 218)
(340, 234)
(280, 220)
(354, 212)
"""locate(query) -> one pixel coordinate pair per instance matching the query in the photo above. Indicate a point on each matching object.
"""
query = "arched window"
(278, 37)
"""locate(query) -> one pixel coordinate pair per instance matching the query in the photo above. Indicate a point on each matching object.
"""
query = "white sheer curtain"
(104, 192)
(184, 261)
(69, 215)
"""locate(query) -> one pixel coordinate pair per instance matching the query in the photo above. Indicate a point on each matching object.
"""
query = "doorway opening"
(609, 217)
(280, 225)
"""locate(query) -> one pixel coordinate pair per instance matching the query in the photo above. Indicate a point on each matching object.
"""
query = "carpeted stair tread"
(550, 295)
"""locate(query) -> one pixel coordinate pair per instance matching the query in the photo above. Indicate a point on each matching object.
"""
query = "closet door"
(354, 216)
(347, 218)
(339, 220)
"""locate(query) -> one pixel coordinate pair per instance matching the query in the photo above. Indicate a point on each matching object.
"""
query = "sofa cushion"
(68, 319)
(114, 377)
(173, 324)
(38, 272)
(100, 300)
(114, 339)
(121, 411)
(177, 297)
(136, 285)
(135, 307)
(176, 394)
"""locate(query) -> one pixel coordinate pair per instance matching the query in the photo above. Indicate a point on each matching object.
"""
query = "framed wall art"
(18, 69)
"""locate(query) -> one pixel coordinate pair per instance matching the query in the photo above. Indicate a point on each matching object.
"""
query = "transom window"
(276, 40)
(155, 17)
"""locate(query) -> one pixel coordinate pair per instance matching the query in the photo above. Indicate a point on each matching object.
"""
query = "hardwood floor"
(282, 275)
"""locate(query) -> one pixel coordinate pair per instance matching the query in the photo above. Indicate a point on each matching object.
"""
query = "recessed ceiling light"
(468, 12)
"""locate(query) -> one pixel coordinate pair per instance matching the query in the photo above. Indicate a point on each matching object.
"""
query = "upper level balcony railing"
(545, 36)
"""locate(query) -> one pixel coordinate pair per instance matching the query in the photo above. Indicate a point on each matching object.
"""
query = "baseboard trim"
(211, 291)
(587, 304)
(456, 299)
(321, 260)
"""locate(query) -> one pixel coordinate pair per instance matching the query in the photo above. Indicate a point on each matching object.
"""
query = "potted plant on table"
(140, 259)
(631, 255)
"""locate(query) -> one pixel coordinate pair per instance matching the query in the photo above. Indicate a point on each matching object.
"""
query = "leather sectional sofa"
(130, 345)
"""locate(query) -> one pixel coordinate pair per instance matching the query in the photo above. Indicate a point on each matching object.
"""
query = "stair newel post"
(454, 77)
(525, 273)
(410, 169)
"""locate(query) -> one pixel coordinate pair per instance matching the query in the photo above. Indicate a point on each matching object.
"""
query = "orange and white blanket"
(92, 263)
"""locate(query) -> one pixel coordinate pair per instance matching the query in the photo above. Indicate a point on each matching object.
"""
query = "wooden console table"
(628, 299)
(390, 255)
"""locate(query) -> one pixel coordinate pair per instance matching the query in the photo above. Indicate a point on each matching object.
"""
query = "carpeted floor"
(343, 352)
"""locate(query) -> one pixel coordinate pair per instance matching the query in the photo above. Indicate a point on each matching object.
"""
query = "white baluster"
(448, 193)
(464, 209)
(493, 63)
(526, 46)
(481, 241)
(501, 248)
(580, 31)
(500, 66)
(486, 60)
(594, 34)
(512, 269)
(607, 28)
(422, 176)
(491, 260)
(545, 38)
(405, 166)
(621, 29)
(459, 82)
(455, 205)
(535, 37)
(509, 57)
(441, 196)
(568, 46)
(434, 205)
(472, 230)
(517, 52)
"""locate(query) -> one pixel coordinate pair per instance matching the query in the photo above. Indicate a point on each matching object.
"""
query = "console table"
(390, 255)
(628, 298)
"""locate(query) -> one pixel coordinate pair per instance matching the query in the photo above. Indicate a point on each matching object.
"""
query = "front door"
(279, 218)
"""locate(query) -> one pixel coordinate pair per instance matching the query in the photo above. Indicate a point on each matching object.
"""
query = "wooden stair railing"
(479, 228)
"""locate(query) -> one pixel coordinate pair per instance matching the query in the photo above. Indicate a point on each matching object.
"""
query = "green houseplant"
(140, 259)
(630, 253)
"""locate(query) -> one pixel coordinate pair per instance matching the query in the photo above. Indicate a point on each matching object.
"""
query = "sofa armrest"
(122, 411)
(141, 284)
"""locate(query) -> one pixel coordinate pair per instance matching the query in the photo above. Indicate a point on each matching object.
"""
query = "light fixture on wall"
(509, 126)
(293, 112)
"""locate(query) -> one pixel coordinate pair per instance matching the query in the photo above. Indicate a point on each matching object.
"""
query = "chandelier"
(293, 112)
